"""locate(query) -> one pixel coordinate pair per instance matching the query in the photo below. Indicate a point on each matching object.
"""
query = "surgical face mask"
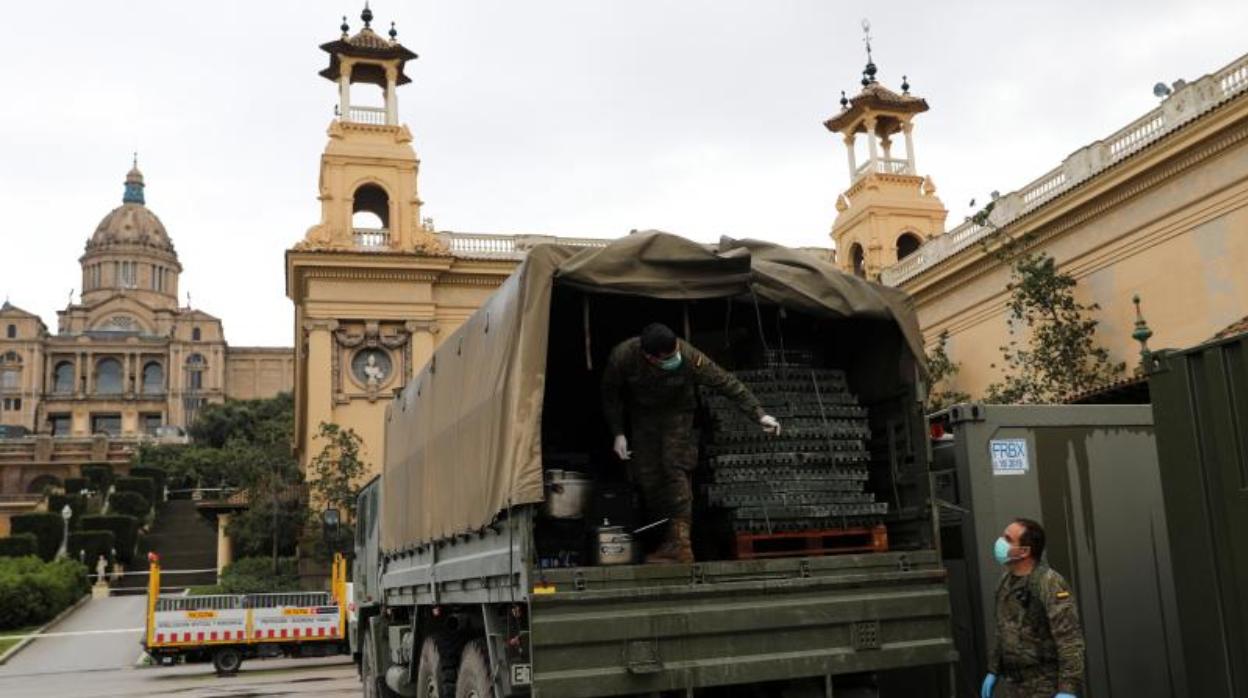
(1001, 551)
(672, 362)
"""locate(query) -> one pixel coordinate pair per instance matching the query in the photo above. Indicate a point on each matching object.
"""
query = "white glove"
(770, 424)
(621, 448)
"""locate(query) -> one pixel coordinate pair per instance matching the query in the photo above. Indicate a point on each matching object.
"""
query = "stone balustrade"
(1187, 102)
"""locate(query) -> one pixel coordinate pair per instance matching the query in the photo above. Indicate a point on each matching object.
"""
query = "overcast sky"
(577, 117)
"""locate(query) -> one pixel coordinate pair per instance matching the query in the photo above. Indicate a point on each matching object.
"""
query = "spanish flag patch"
(1063, 595)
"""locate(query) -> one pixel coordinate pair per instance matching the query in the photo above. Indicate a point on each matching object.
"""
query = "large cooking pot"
(567, 494)
(615, 546)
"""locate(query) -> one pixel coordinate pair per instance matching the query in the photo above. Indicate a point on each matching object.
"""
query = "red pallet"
(836, 541)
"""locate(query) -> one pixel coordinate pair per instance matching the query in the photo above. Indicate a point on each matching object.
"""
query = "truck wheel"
(370, 673)
(439, 664)
(227, 660)
(474, 672)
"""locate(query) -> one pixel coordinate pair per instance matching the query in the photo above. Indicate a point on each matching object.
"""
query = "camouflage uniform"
(660, 406)
(1039, 647)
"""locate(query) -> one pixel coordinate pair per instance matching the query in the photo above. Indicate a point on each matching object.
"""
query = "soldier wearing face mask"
(656, 376)
(1039, 651)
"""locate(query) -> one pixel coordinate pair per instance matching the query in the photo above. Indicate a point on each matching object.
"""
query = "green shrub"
(45, 526)
(87, 545)
(75, 485)
(33, 591)
(141, 485)
(77, 504)
(156, 475)
(98, 476)
(19, 545)
(125, 531)
(129, 504)
(254, 575)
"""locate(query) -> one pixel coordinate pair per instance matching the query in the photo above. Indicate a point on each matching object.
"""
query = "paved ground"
(102, 664)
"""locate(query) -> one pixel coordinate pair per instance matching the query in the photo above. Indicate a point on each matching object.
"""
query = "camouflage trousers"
(1037, 683)
(665, 452)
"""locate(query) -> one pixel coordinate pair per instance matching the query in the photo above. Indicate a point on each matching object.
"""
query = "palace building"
(1158, 210)
(124, 362)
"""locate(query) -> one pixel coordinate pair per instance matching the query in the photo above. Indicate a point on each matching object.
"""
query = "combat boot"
(676, 547)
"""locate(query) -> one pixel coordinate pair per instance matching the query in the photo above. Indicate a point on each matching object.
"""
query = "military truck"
(468, 582)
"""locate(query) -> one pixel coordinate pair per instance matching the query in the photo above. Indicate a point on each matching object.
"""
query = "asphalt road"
(99, 664)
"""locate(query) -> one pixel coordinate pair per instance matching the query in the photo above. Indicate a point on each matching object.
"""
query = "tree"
(337, 468)
(940, 369)
(1058, 354)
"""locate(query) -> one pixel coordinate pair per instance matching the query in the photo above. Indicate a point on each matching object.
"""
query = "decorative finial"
(905, 85)
(345, 27)
(844, 100)
(394, 33)
(366, 15)
(135, 164)
(1141, 335)
(868, 74)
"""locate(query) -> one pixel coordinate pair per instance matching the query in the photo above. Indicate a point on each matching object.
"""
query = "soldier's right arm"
(613, 391)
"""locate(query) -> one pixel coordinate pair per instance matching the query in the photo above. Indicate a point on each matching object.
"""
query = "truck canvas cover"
(463, 441)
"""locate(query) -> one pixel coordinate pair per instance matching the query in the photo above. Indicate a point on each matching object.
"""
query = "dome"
(132, 223)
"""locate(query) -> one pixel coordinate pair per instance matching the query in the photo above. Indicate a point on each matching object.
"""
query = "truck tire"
(439, 665)
(474, 672)
(371, 673)
(227, 660)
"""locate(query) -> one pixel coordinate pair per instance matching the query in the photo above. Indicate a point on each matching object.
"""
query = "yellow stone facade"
(126, 359)
(1158, 209)
(372, 298)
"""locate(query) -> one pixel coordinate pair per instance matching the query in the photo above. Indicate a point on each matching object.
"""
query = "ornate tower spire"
(134, 184)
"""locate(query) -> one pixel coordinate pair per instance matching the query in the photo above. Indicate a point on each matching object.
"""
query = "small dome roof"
(132, 223)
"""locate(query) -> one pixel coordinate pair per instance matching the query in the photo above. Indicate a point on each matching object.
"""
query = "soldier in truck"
(656, 376)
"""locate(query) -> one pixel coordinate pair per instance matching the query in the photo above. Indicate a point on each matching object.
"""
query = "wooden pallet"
(753, 546)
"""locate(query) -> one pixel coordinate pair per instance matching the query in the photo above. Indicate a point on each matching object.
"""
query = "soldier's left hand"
(770, 424)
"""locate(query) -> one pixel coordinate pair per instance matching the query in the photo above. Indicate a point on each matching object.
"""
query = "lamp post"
(66, 515)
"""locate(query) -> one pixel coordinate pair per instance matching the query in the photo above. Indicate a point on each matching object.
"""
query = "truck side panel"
(732, 623)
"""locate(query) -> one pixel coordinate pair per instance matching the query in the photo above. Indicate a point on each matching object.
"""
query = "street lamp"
(66, 515)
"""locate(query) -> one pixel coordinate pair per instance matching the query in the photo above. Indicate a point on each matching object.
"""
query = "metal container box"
(1200, 400)
(1089, 474)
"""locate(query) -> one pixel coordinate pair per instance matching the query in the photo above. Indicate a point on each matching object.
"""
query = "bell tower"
(369, 169)
(888, 211)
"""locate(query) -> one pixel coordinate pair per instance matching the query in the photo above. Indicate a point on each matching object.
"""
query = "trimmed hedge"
(140, 485)
(125, 530)
(75, 485)
(129, 504)
(45, 526)
(156, 475)
(19, 545)
(98, 476)
(77, 504)
(88, 545)
(33, 591)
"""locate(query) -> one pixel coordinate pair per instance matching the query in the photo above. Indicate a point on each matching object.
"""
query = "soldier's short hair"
(1032, 537)
(658, 339)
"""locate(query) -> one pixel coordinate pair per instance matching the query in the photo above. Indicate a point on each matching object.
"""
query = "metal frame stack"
(811, 477)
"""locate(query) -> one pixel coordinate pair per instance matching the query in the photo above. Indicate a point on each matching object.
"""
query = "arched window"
(370, 216)
(195, 367)
(859, 263)
(11, 332)
(153, 378)
(196, 335)
(10, 371)
(63, 378)
(108, 377)
(907, 243)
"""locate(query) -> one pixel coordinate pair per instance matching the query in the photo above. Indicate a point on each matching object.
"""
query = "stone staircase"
(184, 540)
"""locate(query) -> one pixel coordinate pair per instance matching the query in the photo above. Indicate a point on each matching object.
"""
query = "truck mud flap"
(624, 630)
